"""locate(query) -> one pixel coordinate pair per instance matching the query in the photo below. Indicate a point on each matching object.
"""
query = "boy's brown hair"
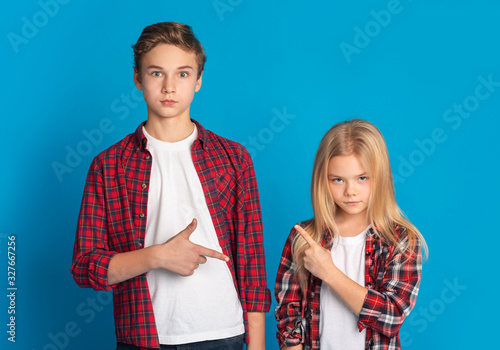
(173, 33)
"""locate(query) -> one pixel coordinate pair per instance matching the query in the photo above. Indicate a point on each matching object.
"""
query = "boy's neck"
(169, 129)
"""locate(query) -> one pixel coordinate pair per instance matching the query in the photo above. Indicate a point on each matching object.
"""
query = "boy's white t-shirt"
(205, 305)
(338, 325)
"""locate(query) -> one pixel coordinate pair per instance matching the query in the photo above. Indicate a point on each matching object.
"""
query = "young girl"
(359, 252)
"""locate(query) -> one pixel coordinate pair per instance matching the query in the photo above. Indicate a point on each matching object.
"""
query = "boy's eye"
(156, 74)
(183, 74)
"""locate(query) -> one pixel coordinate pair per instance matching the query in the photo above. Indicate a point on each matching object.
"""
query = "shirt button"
(367, 253)
(144, 185)
(148, 156)
(142, 215)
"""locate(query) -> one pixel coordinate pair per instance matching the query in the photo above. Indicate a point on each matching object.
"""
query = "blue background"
(67, 70)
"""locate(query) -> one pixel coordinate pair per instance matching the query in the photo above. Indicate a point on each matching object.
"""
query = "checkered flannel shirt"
(113, 220)
(392, 284)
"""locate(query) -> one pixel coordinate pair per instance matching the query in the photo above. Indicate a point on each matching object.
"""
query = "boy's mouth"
(168, 102)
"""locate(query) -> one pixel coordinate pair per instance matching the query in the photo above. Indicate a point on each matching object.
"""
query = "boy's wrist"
(152, 257)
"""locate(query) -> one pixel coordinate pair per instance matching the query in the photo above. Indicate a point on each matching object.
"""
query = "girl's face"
(350, 187)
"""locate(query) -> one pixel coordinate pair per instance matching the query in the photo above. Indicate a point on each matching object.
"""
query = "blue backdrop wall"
(278, 75)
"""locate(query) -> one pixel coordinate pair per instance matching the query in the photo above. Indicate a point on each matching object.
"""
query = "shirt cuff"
(291, 336)
(257, 299)
(98, 270)
(369, 315)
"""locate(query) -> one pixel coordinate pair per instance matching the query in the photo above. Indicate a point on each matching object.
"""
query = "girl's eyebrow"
(363, 174)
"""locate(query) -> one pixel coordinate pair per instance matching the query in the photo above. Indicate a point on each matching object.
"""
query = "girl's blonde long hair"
(363, 139)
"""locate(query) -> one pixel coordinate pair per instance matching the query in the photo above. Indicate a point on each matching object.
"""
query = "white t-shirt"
(204, 306)
(338, 325)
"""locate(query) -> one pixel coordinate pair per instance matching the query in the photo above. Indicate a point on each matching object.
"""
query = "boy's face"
(168, 80)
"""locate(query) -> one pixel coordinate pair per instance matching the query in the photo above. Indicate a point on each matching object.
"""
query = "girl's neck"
(351, 225)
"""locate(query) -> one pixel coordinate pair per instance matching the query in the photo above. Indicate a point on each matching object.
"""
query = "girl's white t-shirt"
(205, 305)
(338, 325)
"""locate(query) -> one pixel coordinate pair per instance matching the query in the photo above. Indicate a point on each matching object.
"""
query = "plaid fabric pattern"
(113, 218)
(392, 283)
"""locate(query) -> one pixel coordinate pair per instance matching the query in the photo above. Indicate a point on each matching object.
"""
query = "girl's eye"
(337, 180)
(183, 74)
(363, 178)
(156, 74)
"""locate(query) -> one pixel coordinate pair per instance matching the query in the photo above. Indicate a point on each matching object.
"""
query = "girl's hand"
(317, 260)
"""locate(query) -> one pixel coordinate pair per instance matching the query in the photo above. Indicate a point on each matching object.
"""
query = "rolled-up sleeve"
(288, 294)
(257, 295)
(386, 307)
(91, 255)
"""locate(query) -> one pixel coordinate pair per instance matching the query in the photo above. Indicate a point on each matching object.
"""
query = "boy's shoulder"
(219, 145)
(122, 148)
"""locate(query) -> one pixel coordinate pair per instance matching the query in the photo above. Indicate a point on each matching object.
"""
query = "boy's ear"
(198, 83)
(137, 79)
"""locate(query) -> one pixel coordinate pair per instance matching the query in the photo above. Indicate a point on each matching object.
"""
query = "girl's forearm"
(349, 291)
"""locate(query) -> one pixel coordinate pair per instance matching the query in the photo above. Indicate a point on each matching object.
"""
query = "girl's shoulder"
(303, 224)
(400, 240)
(398, 232)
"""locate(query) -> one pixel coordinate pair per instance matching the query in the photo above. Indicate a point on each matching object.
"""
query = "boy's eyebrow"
(153, 67)
(161, 68)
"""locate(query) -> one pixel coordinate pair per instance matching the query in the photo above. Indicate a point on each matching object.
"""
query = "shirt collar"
(142, 140)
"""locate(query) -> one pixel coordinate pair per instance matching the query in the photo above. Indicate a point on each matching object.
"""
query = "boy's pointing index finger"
(305, 235)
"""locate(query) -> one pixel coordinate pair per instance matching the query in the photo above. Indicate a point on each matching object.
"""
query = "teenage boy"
(199, 287)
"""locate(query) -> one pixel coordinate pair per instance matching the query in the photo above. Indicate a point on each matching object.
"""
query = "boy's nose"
(168, 85)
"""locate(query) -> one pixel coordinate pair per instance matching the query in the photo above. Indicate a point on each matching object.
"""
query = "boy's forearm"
(256, 331)
(124, 266)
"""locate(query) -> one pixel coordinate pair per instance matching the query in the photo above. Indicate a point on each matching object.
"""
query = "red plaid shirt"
(113, 220)
(392, 286)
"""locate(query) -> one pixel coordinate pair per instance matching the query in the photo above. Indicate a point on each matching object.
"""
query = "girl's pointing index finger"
(305, 235)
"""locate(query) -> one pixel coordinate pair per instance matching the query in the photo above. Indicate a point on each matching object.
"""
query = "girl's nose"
(350, 189)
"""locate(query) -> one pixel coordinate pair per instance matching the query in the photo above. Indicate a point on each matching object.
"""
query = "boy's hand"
(317, 260)
(181, 256)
